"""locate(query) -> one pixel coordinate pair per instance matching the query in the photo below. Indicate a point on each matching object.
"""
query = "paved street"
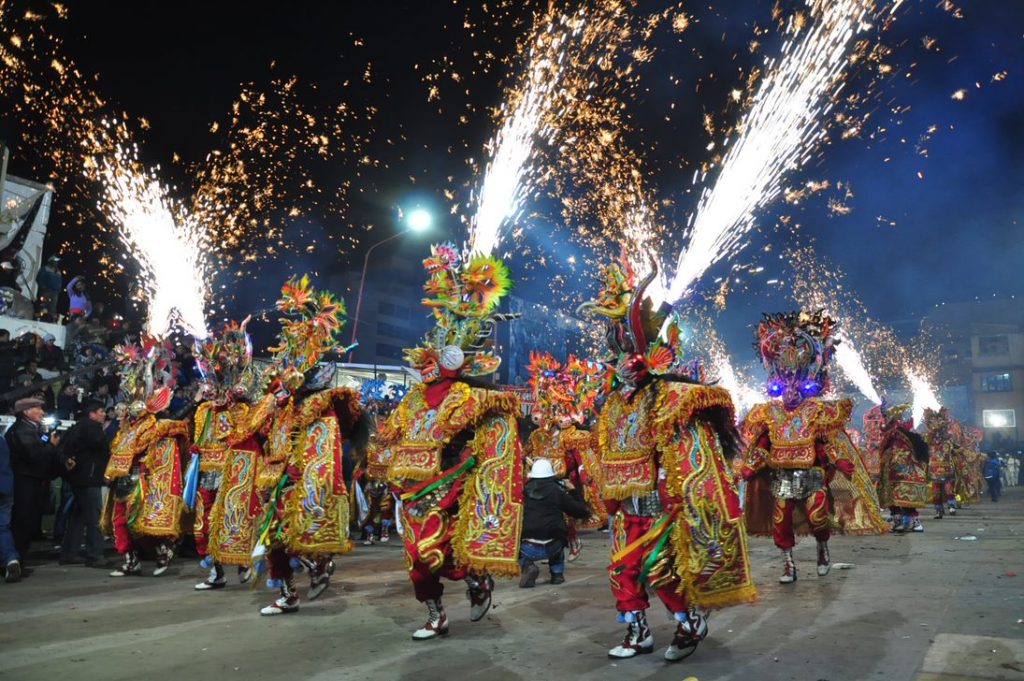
(926, 607)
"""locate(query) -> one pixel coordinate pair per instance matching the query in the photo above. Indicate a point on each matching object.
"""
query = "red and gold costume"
(305, 519)
(797, 443)
(904, 485)
(451, 447)
(228, 441)
(665, 443)
(938, 435)
(377, 507)
(145, 467)
(563, 399)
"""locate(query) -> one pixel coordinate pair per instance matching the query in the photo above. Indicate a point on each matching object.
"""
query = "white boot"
(789, 567)
(286, 604)
(131, 566)
(319, 580)
(164, 554)
(638, 639)
(691, 630)
(437, 622)
(479, 595)
(215, 580)
(824, 561)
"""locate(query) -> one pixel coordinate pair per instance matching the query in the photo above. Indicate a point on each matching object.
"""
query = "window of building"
(993, 346)
(393, 330)
(393, 309)
(997, 383)
(999, 418)
(389, 351)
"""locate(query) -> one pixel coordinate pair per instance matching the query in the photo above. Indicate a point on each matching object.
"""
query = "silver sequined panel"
(796, 483)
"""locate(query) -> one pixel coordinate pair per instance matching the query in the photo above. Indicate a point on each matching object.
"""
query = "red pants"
(428, 549)
(629, 591)
(202, 525)
(815, 508)
(122, 537)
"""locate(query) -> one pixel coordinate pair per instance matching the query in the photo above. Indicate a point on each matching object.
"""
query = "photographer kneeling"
(547, 500)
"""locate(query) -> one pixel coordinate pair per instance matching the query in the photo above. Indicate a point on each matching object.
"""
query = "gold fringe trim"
(690, 399)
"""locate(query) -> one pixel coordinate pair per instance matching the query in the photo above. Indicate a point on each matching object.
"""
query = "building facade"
(983, 349)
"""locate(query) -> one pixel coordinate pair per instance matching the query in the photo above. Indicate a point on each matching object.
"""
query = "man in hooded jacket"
(547, 500)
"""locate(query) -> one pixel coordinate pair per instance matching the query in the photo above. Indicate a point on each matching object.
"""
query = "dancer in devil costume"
(563, 400)
(228, 440)
(801, 441)
(666, 441)
(452, 447)
(904, 485)
(306, 516)
(145, 505)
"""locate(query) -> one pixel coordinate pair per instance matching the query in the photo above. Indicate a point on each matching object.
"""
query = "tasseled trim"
(678, 403)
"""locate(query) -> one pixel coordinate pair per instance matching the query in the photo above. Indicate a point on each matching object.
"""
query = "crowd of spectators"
(46, 468)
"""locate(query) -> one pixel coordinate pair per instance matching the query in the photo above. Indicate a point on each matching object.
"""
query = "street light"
(417, 220)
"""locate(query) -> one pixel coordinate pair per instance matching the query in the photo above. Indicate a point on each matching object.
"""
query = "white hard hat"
(541, 469)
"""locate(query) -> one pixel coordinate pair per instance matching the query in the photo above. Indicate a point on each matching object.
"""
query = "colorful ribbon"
(430, 485)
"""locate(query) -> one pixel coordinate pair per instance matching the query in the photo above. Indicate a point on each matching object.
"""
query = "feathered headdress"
(462, 292)
(225, 361)
(634, 327)
(309, 327)
(147, 377)
(566, 391)
(796, 346)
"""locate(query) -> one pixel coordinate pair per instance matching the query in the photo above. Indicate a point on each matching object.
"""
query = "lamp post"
(418, 220)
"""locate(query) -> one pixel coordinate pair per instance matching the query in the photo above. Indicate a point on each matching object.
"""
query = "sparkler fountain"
(167, 244)
(924, 395)
(777, 136)
(506, 179)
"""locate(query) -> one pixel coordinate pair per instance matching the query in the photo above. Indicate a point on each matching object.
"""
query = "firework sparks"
(776, 136)
(743, 394)
(924, 395)
(507, 177)
(167, 245)
(851, 364)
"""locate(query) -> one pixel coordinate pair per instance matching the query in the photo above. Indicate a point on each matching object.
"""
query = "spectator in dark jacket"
(67, 402)
(50, 356)
(49, 282)
(8, 554)
(33, 461)
(547, 500)
(85, 451)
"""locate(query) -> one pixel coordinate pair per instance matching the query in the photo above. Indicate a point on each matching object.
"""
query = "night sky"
(907, 244)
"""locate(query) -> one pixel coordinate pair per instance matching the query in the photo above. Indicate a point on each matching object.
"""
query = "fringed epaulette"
(132, 440)
(246, 424)
(678, 403)
(756, 422)
(343, 399)
(170, 428)
(831, 416)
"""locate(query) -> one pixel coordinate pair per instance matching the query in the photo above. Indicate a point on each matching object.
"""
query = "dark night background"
(957, 232)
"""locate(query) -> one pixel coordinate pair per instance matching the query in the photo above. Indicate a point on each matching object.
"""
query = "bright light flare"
(169, 250)
(507, 179)
(852, 366)
(924, 396)
(419, 219)
(777, 136)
